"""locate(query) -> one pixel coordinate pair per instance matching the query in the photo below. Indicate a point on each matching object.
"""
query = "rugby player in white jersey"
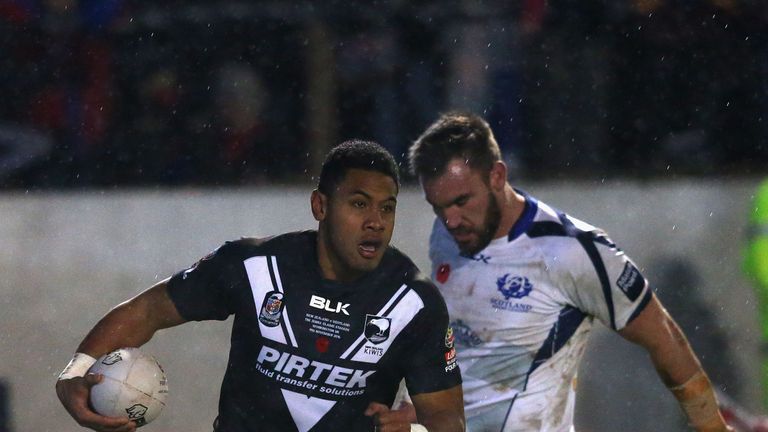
(524, 282)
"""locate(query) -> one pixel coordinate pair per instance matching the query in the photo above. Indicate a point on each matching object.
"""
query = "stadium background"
(136, 137)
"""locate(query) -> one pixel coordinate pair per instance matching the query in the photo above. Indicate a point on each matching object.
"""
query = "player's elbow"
(443, 420)
(448, 423)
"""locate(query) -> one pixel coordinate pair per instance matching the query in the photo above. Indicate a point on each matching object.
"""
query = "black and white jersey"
(309, 354)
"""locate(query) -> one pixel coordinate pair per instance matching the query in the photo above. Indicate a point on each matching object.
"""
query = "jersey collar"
(526, 219)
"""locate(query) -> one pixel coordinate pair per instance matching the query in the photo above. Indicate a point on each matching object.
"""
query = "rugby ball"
(134, 386)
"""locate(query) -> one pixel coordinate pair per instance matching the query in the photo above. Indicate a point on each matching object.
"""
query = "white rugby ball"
(134, 385)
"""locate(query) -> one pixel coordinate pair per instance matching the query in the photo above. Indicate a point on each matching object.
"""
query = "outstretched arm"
(677, 365)
(129, 324)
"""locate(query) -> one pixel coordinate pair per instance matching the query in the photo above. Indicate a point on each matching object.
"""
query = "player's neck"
(511, 206)
(330, 265)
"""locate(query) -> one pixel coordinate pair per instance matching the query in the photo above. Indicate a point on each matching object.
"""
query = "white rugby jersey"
(521, 312)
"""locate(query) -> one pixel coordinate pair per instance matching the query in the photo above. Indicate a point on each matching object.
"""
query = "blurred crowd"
(129, 93)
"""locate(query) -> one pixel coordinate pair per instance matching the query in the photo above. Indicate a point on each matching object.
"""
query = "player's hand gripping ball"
(134, 385)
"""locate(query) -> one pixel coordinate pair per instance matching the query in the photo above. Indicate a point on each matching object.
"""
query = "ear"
(319, 203)
(498, 176)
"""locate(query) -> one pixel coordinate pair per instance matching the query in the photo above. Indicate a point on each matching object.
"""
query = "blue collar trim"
(526, 219)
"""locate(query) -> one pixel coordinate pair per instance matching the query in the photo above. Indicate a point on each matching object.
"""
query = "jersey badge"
(377, 328)
(449, 338)
(514, 286)
(271, 309)
(443, 273)
(450, 360)
(631, 281)
(450, 356)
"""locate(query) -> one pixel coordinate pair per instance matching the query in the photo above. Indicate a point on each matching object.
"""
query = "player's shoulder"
(551, 223)
(426, 289)
(291, 242)
(569, 244)
(398, 263)
(428, 294)
(560, 237)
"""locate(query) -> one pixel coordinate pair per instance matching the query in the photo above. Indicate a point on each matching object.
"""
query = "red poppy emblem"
(443, 272)
(321, 344)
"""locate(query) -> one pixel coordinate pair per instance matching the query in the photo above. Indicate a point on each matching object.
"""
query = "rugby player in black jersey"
(326, 323)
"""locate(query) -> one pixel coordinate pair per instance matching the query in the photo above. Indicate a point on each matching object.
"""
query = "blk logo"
(318, 302)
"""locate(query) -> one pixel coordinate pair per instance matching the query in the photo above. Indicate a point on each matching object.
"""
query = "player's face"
(464, 201)
(357, 221)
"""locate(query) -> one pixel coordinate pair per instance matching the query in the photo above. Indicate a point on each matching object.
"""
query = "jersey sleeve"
(429, 360)
(204, 291)
(606, 282)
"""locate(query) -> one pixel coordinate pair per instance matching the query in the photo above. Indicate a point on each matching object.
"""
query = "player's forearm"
(673, 357)
(697, 399)
(443, 421)
(656, 331)
(441, 411)
(681, 371)
(677, 365)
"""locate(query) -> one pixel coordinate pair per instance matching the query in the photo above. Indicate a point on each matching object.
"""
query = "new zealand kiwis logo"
(377, 328)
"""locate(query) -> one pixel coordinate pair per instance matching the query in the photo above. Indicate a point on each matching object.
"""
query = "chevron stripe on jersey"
(399, 311)
(306, 411)
(264, 278)
(291, 327)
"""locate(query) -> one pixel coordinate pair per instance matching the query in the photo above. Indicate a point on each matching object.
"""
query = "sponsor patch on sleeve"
(450, 355)
(449, 337)
(631, 282)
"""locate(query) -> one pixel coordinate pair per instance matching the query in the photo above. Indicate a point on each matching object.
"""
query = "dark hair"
(454, 135)
(366, 155)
